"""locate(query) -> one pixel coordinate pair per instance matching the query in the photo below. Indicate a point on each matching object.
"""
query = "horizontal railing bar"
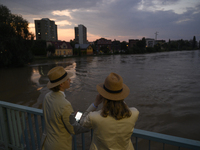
(167, 139)
(21, 108)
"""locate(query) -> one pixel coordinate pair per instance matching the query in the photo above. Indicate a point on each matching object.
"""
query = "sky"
(115, 19)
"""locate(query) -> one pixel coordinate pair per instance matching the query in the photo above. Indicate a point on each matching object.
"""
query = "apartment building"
(81, 34)
(46, 29)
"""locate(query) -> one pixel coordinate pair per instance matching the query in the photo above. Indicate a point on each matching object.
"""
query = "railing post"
(37, 130)
(149, 144)
(83, 141)
(136, 143)
(74, 142)
(31, 131)
(4, 124)
(25, 131)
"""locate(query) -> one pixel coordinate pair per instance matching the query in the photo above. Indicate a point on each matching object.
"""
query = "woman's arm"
(92, 107)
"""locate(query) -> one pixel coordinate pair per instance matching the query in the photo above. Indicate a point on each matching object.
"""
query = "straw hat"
(113, 88)
(57, 75)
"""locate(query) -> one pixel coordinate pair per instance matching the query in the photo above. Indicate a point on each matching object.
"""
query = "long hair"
(117, 109)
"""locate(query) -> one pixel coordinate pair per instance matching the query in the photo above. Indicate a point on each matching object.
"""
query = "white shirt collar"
(62, 93)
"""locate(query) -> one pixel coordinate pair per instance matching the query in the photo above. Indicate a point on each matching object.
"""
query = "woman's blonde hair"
(117, 109)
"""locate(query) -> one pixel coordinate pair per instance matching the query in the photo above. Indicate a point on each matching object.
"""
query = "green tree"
(94, 48)
(39, 48)
(199, 44)
(141, 44)
(157, 47)
(169, 45)
(124, 45)
(135, 50)
(75, 51)
(105, 49)
(194, 42)
(72, 43)
(150, 49)
(14, 50)
(51, 49)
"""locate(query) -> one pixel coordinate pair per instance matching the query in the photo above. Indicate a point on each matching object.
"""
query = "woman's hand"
(98, 100)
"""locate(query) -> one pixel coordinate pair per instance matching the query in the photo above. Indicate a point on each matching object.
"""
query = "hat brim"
(113, 96)
(51, 85)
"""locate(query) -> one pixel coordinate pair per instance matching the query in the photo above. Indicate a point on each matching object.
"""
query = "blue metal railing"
(21, 128)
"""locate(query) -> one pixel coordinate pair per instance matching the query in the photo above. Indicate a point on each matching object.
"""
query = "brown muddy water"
(164, 87)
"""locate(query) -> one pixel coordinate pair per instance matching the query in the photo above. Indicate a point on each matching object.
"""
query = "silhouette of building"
(116, 46)
(46, 29)
(150, 42)
(102, 42)
(81, 34)
(132, 43)
(76, 39)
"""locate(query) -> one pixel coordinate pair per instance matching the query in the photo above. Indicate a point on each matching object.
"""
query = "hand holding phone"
(78, 115)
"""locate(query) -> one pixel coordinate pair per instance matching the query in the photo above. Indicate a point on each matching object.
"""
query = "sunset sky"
(115, 19)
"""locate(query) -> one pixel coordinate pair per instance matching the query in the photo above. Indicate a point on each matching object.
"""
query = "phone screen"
(78, 115)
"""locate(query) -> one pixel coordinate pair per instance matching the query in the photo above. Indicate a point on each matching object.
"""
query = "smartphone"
(78, 115)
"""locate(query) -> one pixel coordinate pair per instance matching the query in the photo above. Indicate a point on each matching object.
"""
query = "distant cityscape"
(46, 29)
(18, 47)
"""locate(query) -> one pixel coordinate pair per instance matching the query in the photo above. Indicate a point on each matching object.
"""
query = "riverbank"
(95, 55)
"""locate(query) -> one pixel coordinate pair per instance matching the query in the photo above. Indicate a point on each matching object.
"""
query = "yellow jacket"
(108, 133)
(59, 122)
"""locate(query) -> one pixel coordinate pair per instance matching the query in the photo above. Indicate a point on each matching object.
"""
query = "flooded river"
(164, 87)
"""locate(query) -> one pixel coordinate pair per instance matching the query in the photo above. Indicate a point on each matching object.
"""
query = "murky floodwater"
(165, 87)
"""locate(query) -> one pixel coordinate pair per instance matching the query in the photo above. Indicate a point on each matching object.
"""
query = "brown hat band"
(110, 91)
(53, 81)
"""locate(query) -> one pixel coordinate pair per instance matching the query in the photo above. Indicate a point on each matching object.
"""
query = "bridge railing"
(21, 129)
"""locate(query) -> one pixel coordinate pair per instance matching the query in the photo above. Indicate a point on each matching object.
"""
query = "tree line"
(14, 50)
(140, 46)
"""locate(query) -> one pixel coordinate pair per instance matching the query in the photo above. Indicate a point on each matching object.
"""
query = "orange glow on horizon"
(68, 34)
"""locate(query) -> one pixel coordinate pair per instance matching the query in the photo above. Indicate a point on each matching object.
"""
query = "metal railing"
(21, 128)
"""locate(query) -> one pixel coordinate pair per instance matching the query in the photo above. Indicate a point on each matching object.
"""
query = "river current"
(164, 87)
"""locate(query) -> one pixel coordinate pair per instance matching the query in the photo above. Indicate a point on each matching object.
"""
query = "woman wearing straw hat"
(113, 125)
(59, 118)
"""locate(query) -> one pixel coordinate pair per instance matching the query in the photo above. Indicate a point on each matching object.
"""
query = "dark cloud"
(38, 6)
(113, 18)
